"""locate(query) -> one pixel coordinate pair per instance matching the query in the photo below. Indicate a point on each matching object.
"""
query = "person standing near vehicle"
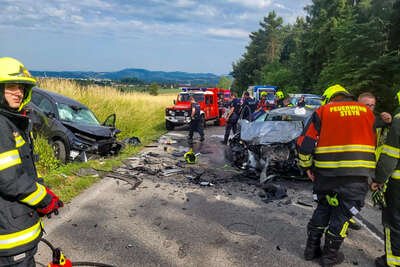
(248, 106)
(232, 118)
(337, 151)
(388, 173)
(302, 102)
(196, 121)
(382, 123)
(382, 120)
(23, 199)
(261, 106)
(280, 96)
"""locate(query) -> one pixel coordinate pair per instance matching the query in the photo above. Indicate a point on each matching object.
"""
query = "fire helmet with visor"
(13, 71)
(333, 91)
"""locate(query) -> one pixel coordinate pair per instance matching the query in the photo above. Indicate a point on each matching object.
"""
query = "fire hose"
(59, 260)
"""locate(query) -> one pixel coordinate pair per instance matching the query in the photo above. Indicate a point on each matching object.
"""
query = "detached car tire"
(60, 152)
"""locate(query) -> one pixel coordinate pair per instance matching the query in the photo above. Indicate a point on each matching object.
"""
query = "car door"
(43, 112)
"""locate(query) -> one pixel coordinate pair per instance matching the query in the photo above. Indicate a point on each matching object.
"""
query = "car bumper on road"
(178, 120)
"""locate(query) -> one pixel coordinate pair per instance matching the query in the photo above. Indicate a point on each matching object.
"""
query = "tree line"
(355, 43)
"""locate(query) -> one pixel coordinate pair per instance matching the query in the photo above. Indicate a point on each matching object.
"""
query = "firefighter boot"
(331, 254)
(313, 248)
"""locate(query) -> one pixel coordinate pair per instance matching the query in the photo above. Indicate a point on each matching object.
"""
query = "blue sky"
(110, 35)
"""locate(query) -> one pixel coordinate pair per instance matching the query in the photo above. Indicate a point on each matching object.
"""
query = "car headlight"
(80, 145)
(171, 112)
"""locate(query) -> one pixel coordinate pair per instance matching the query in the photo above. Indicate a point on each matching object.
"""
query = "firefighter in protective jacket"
(388, 171)
(23, 200)
(337, 150)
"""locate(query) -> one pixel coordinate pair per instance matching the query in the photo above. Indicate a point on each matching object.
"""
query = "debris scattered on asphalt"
(130, 179)
(273, 192)
(242, 229)
(304, 203)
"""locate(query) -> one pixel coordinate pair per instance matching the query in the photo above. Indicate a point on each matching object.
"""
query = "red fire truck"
(211, 107)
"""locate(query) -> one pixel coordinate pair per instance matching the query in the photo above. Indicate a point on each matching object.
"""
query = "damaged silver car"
(268, 144)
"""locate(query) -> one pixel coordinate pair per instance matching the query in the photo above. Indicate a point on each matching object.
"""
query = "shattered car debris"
(268, 144)
(72, 129)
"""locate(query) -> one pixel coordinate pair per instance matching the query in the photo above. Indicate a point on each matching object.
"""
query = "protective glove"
(378, 197)
(52, 207)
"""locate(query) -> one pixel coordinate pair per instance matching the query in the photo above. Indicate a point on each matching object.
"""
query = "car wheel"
(59, 150)
(169, 125)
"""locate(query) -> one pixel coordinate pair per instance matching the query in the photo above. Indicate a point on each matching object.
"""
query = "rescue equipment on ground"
(59, 259)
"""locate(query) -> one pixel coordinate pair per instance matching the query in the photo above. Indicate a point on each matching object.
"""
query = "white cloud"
(228, 33)
(253, 3)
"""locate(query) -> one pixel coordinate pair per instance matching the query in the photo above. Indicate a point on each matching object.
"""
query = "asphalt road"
(172, 221)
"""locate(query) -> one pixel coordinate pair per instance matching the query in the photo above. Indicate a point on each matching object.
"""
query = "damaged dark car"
(72, 129)
(268, 144)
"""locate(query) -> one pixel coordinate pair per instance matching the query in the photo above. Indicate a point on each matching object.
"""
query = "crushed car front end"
(268, 145)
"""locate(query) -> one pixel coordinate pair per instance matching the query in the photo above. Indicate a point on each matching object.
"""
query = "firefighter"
(339, 161)
(388, 171)
(196, 121)
(261, 106)
(280, 96)
(23, 199)
(232, 118)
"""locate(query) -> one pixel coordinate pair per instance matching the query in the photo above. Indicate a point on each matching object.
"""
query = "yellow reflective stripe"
(345, 148)
(9, 159)
(304, 157)
(305, 164)
(391, 151)
(391, 259)
(19, 141)
(35, 197)
(344, 230)
(345, 164)
(20, 238)
(305, 161)
(396, 174)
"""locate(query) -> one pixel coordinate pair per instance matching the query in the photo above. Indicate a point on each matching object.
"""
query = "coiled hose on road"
(76, 263)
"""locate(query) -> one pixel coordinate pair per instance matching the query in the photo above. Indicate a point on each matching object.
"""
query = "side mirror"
(110, 121)
(174, 101)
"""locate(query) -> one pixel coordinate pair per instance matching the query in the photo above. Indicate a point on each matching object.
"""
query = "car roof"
(59, 98)
(293, 111)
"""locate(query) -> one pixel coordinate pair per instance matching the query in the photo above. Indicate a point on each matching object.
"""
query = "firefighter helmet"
(280, 95)
(332, 91)
(263, 93)
(13, 71)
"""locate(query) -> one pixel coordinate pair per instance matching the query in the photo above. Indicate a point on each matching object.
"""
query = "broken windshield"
(184, 97)
(76, 114)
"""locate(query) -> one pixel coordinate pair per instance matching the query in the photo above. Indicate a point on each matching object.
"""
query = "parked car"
(268, 144)
(72, 129)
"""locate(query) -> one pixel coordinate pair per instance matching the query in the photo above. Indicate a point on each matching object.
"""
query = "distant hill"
(147, 76)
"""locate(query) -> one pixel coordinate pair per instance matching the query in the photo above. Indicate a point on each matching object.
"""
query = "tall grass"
(138, 114)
